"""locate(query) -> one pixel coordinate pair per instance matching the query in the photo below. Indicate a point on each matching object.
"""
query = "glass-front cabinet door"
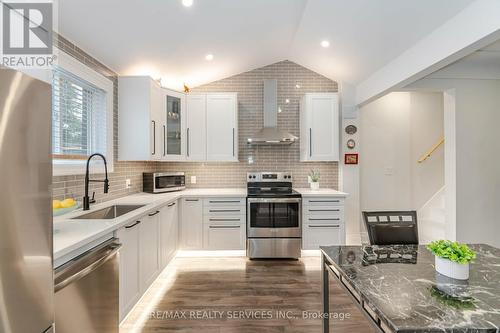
(174, 136)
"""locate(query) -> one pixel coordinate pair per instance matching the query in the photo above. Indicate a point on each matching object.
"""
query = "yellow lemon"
(67, 203)
(56, 204)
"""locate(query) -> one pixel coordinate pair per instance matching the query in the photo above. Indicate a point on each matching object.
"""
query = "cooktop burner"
(270, 185)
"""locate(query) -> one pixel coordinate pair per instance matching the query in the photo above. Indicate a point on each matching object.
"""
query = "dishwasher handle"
(86, 263)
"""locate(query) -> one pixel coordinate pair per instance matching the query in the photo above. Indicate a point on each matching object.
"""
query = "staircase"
(431, 218)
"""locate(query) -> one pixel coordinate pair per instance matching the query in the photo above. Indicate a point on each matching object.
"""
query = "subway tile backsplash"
(249, 86)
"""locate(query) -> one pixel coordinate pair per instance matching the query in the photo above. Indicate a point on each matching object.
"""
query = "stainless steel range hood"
(270, 134)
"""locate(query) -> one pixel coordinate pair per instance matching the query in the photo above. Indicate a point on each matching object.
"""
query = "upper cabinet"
(222, 120)
(155, 123)
(319, 127)
(196, 130)
(174, 133)
(140, 119)
(212, 127)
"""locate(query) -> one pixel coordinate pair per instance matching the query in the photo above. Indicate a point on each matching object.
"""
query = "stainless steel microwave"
(159, 182)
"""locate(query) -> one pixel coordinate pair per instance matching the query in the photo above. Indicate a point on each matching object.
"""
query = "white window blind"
(79, 118)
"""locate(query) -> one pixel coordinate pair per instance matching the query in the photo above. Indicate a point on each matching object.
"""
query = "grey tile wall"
(249, 86)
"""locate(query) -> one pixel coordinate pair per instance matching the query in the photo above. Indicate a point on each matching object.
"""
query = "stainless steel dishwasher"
(87, 291)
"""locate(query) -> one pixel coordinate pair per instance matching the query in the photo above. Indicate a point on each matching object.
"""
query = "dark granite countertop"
(402, 287)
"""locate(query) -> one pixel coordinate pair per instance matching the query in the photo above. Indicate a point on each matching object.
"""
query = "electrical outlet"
(388, 171)
(128, 183)
(193, 179)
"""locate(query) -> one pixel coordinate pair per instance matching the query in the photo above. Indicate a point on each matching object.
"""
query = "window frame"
(66, 167)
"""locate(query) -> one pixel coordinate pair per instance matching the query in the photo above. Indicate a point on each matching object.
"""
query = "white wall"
(477, 161)
(385, 154)
(396, 130)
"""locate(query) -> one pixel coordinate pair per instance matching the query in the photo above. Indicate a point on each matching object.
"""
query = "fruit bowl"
(64, 210)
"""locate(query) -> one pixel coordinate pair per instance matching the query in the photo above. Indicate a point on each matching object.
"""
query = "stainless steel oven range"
(274, 216)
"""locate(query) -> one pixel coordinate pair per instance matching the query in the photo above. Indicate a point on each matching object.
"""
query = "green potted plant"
(452, 259)
(314, 177)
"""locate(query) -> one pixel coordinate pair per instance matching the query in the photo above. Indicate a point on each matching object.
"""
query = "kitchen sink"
(108, 213)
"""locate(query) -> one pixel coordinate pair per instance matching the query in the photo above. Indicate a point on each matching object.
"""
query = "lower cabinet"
(140, 256)
(168, 233)
(149, 261)
(213, 223)
(130, 287)
(222, 234)
(192, 224)
(323, 222)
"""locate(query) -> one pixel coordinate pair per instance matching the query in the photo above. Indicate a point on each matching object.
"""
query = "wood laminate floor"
(225, 295)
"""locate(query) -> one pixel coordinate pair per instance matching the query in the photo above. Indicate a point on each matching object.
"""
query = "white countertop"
(322, 192)
(71, 235)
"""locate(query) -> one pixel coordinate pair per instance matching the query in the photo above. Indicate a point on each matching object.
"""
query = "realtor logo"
(27, 33)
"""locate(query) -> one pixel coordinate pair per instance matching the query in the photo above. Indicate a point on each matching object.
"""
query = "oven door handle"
(277, 200)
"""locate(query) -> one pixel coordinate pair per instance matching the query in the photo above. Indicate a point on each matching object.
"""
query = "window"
(78, 117)
(82, 116)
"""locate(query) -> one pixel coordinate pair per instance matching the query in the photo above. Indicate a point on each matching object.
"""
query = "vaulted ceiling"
(162, 38)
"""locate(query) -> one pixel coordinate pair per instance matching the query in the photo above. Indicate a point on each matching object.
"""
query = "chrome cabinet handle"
(224, 201)
(153, 214)
(310, 143)
(171, 204)
(233, 141)
(164, 140)
(325, 226)
(223, 210)
(191, 199)
(333, 219)
(154, 137)
(324, 201)
(324, 210)
(223, 220)
(224, 227)
(132, 225)
(187, 143)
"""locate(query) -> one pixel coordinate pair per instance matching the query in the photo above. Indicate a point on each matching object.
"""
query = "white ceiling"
(162, 38)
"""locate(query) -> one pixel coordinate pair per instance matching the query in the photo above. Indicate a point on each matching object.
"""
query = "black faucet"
(86, 200)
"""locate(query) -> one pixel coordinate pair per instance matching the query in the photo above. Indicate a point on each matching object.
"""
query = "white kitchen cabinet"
(319, 127)
(196, 131)
(322, 222)
(141, 119)
(192, 224)
(149, 262)
(174, 132)
(130, 287)
(168, 233)
(224, 223)
(222, 120)
(224, 234)
(139, 259)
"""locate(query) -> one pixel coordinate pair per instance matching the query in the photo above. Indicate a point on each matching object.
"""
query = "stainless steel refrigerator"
(26, 275)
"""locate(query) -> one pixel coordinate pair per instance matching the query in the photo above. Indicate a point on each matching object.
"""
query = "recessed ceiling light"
(325, 43)
(209, 57)
(187, 3)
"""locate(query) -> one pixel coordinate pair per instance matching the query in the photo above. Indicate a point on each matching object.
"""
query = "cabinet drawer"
(224, 235)
(316, 235)
(324, 211)
(224, 206)
(323, 220)
(218, 219)
(323, 201)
